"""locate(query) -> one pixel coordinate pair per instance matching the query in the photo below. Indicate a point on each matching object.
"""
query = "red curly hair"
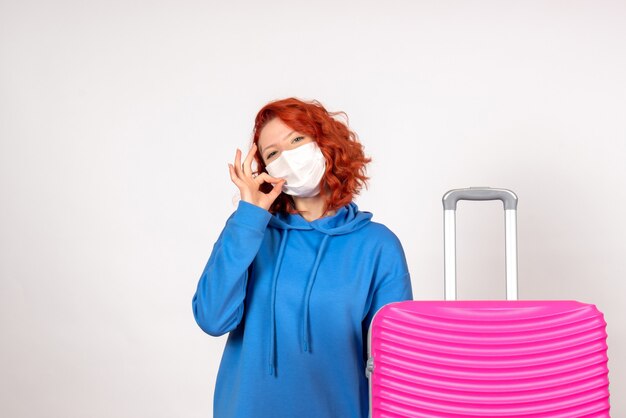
(345, 160)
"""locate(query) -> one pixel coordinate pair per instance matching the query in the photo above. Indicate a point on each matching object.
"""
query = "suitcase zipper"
(370, 367)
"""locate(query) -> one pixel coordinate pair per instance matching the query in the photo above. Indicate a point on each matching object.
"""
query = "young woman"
(298, 272)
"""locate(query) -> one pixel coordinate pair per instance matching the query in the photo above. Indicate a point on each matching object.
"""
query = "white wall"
(118, 119)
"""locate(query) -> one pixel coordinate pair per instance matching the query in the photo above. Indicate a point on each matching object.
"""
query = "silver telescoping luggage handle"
(509, 201)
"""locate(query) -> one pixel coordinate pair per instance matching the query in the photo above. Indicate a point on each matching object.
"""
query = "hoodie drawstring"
(307, 295)
(347, 219)
(307, 298)
(281, 253)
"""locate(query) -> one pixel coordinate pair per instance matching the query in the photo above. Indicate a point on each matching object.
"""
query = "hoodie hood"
(346, 219)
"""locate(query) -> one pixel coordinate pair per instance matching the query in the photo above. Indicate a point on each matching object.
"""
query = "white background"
(118, 119)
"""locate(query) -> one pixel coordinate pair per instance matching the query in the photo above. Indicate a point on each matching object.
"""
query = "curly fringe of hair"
(345, 161)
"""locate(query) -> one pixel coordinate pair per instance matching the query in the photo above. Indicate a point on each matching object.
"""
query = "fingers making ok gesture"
(249, 184)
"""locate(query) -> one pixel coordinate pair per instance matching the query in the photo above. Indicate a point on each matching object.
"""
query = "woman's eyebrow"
(271, 145)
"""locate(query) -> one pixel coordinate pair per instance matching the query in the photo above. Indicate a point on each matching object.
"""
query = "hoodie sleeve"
(219, 299)
(391, 283)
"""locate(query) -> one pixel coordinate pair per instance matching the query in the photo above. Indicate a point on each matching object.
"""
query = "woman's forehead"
(274, 127)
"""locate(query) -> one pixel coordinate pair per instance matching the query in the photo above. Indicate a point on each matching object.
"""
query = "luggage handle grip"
(509, 201)
(508, 198)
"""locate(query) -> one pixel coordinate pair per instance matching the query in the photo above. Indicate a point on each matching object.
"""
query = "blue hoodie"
(297, 298)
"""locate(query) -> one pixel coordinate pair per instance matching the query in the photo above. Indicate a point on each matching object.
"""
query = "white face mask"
(302, 168)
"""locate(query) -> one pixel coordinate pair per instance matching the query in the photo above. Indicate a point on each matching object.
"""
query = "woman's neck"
(312, 208)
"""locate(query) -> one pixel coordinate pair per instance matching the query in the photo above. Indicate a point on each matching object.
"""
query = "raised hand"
(249, 184)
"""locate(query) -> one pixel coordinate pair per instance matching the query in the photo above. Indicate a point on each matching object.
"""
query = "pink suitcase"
(481, 358)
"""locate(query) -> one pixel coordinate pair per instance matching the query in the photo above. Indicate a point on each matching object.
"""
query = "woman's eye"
(296, 139)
